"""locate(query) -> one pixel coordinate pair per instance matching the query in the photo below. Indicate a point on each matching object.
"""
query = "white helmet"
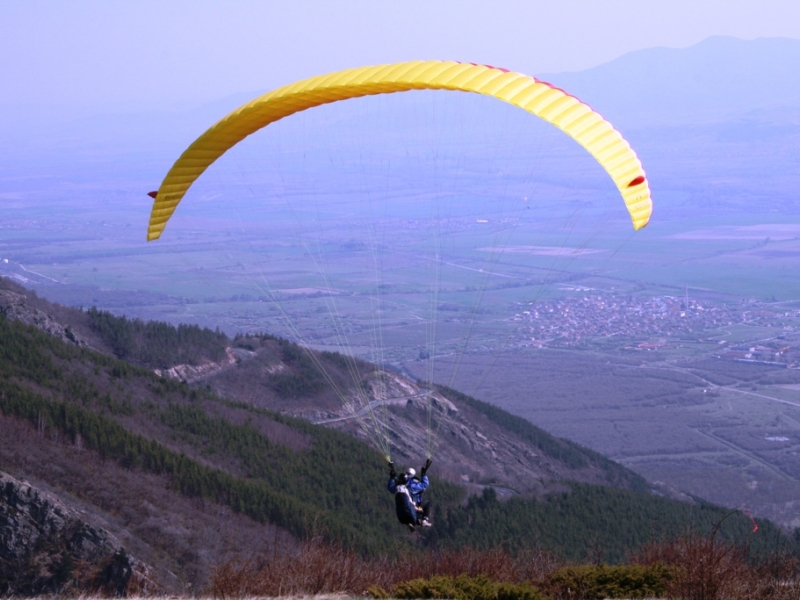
(410, 472)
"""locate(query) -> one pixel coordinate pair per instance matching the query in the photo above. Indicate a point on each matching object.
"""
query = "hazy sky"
(75, 58)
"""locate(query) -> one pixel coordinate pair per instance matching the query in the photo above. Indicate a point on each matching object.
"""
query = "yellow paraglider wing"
(537, 97)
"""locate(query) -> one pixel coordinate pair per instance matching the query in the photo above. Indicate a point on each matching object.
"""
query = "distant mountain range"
(719, 79)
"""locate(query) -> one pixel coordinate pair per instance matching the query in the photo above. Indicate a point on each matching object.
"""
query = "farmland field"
(736, 444)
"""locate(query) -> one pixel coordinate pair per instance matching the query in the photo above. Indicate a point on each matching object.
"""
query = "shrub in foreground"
(464, 587)
(595, 582)
(315, 569)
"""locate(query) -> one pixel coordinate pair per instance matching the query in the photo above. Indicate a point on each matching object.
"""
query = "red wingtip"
(152, 194)
(637, 181)
(755, 525)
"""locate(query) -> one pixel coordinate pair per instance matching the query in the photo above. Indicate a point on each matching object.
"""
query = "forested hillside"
(186, 478)
(475, 443)
(156, 344)
(152, 344)
(161, 426)
(594, 523)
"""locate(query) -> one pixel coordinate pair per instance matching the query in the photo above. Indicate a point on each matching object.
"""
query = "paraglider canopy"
(539, 98)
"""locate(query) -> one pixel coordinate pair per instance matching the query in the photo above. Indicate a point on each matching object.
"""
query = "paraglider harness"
(405, 506)
(409, 511)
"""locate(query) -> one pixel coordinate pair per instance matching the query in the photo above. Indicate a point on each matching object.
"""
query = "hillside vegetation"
(155, 344)
(88, 420)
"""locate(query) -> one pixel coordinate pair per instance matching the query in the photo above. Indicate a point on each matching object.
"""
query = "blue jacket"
(415, 487)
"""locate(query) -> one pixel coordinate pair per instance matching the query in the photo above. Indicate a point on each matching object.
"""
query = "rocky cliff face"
(46, 548)
(469, 448)
(17, 307)
(192, 373)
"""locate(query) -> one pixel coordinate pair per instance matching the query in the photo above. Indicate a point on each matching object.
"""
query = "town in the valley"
(646, 323)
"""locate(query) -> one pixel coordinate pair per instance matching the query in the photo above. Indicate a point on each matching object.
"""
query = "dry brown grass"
(707, 568)
(703, 566)
(318, 568)
(338, 596)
